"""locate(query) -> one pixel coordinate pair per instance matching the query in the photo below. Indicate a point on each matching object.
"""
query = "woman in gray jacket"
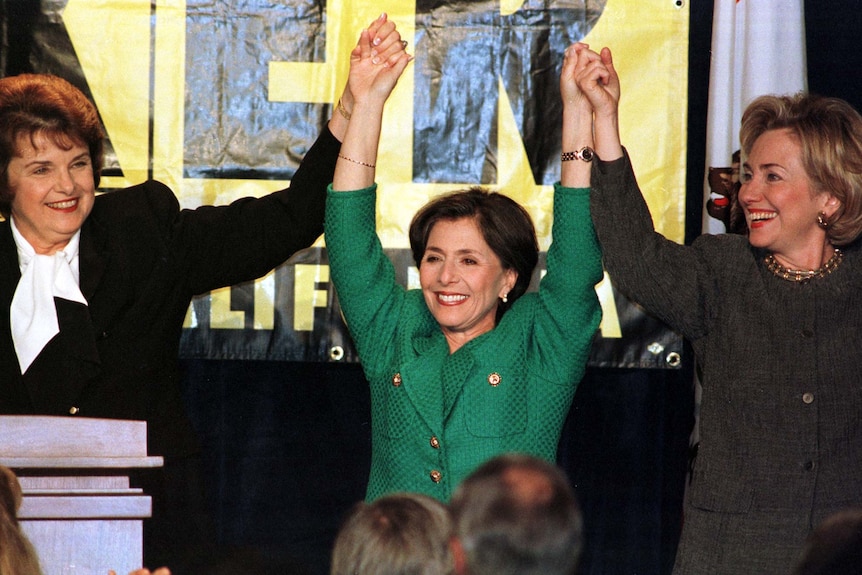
(769, 314)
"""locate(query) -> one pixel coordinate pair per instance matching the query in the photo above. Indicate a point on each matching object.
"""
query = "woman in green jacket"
(468, 366)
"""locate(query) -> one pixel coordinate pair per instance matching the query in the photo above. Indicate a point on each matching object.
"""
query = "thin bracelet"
(342, 110)
(366, 164)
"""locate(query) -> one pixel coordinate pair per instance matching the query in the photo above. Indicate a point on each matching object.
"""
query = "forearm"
(356, 165)
(376, 63)
(577, 134)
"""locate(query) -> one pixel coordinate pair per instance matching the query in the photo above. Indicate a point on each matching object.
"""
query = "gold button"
(73, 410)
(436, 476)
(494, 379)
(435, 443)
(396, 379)
(808, 397)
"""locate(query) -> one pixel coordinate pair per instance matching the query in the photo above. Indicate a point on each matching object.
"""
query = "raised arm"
(672, 281)
(600, 85)
(376, 63)
(385, 43)
(577, 119)
(569, 313)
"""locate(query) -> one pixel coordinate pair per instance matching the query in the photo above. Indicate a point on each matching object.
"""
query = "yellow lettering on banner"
(169, 95)
(113, 39)
(509, 7)
(116, 63)
(610, 325)
(322, 82)
(306, 296)
(221, 316)
(649, 40)
(264, 302)
(191, 319)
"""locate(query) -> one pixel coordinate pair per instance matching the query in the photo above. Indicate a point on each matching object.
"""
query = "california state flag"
(758, 47)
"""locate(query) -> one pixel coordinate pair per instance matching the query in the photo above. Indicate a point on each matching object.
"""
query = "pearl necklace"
(804, 275)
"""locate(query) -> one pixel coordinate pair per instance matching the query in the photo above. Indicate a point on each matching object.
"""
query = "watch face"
(587, 154)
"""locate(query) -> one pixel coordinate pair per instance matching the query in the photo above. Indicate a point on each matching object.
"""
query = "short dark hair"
(398, 534)
(504, 223)
(829, 131)
(32, 104)
(517, 515)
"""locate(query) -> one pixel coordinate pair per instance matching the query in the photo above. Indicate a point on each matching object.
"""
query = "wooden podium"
(79, 510)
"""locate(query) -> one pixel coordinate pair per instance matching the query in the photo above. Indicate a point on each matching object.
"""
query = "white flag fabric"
(758, 47)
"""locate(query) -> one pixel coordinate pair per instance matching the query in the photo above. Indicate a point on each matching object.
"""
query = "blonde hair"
(400, 534)
(17, 556)
(829, 131)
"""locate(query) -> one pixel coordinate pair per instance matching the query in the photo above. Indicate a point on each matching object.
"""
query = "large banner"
(221, 98)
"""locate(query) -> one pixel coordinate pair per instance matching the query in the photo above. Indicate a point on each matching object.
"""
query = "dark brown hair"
(506, 227)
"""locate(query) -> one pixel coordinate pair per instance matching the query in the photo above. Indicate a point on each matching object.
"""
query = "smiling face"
(53, 191)
(462, 280)
(780, 204)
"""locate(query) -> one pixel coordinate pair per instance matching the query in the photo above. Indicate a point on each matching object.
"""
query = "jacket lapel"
(59, 374)
(92, 258)
(10, 374)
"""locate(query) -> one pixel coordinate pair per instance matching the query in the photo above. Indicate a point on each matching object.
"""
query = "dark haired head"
(505, 226)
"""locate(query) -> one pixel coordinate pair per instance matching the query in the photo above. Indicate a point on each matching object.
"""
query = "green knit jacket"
(436, 416)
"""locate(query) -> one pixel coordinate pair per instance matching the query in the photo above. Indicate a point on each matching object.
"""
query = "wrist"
(342, 109)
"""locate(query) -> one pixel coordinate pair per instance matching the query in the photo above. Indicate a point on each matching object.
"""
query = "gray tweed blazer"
(781, 368)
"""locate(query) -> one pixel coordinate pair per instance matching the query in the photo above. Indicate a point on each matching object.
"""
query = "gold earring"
(823, 220)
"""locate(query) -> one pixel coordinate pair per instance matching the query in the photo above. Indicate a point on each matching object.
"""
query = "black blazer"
(142, 259)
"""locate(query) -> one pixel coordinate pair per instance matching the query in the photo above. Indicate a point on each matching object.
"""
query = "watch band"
(586, 154)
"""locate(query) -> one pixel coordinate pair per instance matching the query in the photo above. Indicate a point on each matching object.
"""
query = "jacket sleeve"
(568, 311)
(225, 245)
(364, 277)
(670, 280)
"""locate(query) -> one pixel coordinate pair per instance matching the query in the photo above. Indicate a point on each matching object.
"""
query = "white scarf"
(33, 314)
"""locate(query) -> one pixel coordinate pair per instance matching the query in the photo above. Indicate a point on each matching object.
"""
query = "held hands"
(573, 65)
(598, 80)
(376, 63)
(590, 87)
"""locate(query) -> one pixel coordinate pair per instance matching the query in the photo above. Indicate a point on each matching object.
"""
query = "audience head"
(41, 104)
(829, 132)
(17, 556)
(399, 534)
(516, 514)
(834, 547)
(503, 223)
